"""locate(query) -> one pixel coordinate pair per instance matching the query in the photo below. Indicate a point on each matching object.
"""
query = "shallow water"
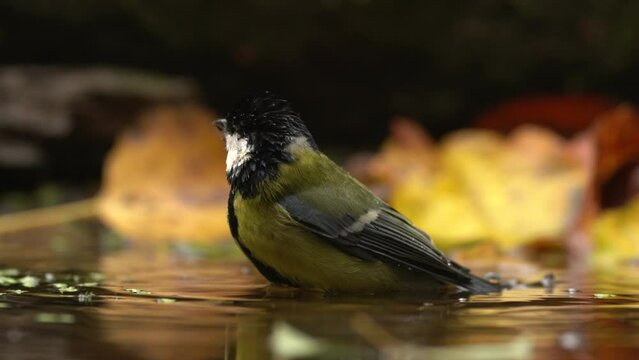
(90, 296)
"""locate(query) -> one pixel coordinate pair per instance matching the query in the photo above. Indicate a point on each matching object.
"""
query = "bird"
(305, 222)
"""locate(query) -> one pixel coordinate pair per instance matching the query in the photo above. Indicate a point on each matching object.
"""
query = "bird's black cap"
(265, 116)
(265, 125)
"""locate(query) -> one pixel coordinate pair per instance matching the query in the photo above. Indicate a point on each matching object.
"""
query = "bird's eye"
(221, 125)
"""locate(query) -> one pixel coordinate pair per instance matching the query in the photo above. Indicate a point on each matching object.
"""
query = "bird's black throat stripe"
(248, 177)
(232, 219)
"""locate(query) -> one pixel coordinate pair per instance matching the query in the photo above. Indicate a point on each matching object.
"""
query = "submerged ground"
(76, 291)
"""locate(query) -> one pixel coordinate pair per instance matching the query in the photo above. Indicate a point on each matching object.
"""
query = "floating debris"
(63, 287)
(493, 277)
(29, 281)
(512, 283)
(17, 291)
(165, 301)
(86, 298)
(604, 296)
(548, 281)
(54, 318)
(6, 281)
(9, 272)
(138, 291)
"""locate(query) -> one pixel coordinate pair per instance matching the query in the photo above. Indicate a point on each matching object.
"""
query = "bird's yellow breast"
(302, 257)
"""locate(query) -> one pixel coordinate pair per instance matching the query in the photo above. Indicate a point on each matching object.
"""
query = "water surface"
(77, 292)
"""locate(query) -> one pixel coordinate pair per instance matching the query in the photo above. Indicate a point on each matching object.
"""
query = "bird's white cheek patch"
(238, 151)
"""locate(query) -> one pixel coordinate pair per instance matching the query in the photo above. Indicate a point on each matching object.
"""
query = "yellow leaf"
(165, 179)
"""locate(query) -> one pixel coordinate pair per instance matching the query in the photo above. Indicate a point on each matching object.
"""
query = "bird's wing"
(374, 232)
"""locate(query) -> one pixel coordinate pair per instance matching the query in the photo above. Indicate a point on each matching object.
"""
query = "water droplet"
(548, 281)
(492, 276)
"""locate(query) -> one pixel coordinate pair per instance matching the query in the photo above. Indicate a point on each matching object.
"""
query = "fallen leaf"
(508, 190)
(407, 151)
(165, 179)
(616, 236)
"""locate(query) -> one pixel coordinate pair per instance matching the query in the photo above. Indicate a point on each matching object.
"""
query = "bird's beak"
(221, 125)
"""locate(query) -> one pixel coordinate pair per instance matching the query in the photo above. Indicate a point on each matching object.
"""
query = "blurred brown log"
(57, 123)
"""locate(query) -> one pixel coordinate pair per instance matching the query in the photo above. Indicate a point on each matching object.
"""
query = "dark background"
(347, 65)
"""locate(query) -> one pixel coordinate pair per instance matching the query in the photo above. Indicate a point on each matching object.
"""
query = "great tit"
(304, 221)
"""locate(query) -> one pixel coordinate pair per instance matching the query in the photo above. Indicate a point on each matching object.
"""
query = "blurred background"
(508, 130)
(514, 116)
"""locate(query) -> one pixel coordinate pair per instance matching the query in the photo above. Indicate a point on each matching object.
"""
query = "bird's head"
(260, 133)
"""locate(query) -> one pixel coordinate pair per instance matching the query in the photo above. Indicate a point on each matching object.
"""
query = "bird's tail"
(480, 286)
(473, 283)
